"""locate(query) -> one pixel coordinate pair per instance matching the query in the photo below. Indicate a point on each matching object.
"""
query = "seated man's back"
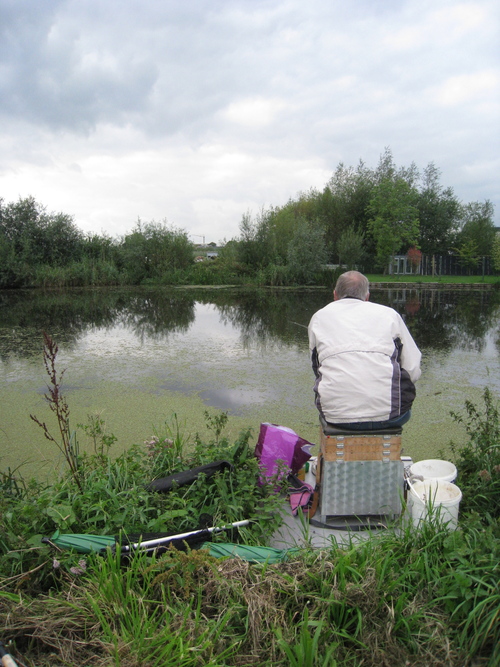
(364, 358)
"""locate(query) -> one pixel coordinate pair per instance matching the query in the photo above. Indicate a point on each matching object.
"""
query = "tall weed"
(66, 441)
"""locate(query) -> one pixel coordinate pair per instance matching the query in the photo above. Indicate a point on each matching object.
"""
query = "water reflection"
(139, 355)
(446, 320)
(67, 315)
(439, 320)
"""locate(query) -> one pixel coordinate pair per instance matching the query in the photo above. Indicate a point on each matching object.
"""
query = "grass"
(381, 602)
(404, 596)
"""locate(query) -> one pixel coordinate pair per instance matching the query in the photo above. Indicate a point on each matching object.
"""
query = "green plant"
(166, 449)
(424, 597)
(11, 485)
(108, 495)
(469, 585)
(478, 461)
(140, 625)
(468, 254)
(95, 429)
(307, 651)
(216, 424)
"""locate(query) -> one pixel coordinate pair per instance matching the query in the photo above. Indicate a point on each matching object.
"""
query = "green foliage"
(362, 216)
(219, 271)
(95, 429)
(477, 226)
(419, 597)
(138, 626)
(426, 597)
(254, 246)
(468, 254)
(350, 249)
(29, 236)
(495, 252)
(439, 213)
(469, 588)
(306, 652)
(153, 250)
(478, 461)
(306, 252)
(77, 274)
(394, 218)
(282, 247)
(344, 203)
(275, 275)
(113, 496)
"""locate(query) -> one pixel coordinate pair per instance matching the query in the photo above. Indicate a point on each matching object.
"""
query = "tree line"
(38, 248)
(365, 216)
(362, 217)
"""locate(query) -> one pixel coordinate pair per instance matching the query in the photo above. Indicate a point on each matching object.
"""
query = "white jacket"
(365, 362)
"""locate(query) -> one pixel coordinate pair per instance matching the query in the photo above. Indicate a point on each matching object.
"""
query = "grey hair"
(353, 284)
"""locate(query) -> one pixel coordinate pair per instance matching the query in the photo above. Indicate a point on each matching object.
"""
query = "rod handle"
(8, 661)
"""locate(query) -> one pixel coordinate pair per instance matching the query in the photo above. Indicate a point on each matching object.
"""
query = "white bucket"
(444, 471)
(435, 498)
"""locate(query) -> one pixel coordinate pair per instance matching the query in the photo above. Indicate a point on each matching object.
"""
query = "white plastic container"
(444, 471)
(436, 498)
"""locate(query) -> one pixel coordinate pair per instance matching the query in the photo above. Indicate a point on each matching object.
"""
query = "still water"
(139, 356)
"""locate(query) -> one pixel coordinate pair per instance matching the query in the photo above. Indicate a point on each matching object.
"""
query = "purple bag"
(279, 443)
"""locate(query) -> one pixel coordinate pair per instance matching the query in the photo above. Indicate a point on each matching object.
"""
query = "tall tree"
(438, 211)
(477, 226)
(345, 199)
(393, 220)
(495, 252)
(350, 248)
(255, 242)
(306, 251)
(38, 237)
(153, 250)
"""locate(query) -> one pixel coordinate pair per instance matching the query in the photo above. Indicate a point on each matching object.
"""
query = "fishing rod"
(299, 325)
(182, 536)
(7, 659)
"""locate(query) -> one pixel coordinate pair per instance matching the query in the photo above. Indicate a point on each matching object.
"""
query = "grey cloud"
(55, 74)
(326, 81)
(160, 65)
(165, 66)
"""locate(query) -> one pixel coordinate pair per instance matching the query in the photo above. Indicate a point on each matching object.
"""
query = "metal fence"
(441, 265)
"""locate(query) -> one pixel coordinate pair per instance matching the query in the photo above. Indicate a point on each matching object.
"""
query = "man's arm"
(314, 352)
(410, 354)
(315, 362)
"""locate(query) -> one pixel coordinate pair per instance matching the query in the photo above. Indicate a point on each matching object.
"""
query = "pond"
(140, 356)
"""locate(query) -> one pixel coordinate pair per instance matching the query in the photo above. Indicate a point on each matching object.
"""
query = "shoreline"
(448, 286)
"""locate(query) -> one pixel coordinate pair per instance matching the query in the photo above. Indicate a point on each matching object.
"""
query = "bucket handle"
(416, 478)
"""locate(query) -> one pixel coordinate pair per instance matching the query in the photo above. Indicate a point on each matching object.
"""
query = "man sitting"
(364, 359)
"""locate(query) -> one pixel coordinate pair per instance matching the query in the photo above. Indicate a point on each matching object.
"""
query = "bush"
(105, 496)
(478, 461)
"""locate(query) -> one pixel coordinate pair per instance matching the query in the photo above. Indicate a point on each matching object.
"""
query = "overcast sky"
(198, 111)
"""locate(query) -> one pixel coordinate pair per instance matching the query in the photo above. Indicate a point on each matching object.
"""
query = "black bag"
(165, 484)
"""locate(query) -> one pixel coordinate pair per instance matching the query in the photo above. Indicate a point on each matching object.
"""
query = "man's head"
(352, 284)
